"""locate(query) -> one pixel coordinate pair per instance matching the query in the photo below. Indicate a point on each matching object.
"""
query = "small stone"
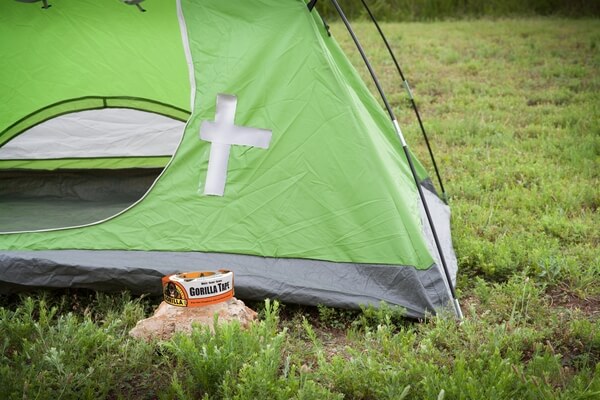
(168, 320)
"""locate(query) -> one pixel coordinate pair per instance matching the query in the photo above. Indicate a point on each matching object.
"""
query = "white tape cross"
(222, 133)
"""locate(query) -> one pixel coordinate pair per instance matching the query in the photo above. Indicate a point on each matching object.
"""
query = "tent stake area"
(36, 200)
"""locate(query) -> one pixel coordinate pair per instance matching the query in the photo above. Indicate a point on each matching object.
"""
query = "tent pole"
(456, 305)
(412, 100)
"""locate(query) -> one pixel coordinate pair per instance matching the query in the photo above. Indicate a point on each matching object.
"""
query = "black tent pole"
(412, 100)
(456, 305)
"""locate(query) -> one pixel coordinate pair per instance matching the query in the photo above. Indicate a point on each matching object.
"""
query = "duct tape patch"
(194, 289)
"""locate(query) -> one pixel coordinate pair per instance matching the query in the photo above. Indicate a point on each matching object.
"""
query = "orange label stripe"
(210, 300)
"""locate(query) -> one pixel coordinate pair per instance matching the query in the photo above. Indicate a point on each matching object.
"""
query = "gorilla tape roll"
(195, 289)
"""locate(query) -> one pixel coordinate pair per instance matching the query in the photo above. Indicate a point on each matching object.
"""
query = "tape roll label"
(194, 289)
(209, 290)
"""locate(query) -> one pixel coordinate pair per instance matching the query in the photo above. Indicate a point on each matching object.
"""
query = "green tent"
(204, 134)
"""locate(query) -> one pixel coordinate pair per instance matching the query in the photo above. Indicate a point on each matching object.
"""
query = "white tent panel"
(110, 132)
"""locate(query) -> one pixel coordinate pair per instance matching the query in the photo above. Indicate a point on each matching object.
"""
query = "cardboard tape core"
(195, 289)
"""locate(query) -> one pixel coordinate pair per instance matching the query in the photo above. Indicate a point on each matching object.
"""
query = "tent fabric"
(78, 49)
(327, 213)
(89, 103)
(97, 133)
(105, 163)
(300, 281)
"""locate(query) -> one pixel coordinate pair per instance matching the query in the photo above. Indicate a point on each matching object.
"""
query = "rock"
(168, 319)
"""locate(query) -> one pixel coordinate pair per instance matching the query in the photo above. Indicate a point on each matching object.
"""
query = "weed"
(335, 318)
(69, 356)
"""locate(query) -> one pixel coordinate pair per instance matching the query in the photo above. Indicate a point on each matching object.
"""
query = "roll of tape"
(194, 289)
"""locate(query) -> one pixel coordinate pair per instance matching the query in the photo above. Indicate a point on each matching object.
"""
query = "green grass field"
(513, 111)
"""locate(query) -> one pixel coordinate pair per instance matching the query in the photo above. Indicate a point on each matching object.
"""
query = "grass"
(431, 10)
(512, 108)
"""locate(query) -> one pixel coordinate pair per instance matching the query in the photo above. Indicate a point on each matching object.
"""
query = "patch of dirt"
(590, 305)
(334, 342)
